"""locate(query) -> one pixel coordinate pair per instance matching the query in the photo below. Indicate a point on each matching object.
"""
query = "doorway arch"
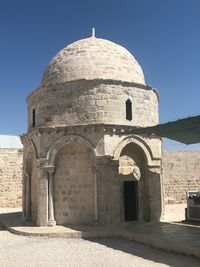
(133, 183)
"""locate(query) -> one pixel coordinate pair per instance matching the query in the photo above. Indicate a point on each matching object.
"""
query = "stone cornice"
(110, 129)
(98, 81)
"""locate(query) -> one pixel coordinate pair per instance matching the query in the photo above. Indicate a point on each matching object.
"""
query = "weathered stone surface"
(11, 177)
(81, 109)
(74, 186)
(93, 58)
(181, 171)
(80, 102)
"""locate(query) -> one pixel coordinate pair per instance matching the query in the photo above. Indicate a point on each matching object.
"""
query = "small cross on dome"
(93, 32)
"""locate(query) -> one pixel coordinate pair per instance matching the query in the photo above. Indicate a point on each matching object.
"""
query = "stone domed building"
(82, 162)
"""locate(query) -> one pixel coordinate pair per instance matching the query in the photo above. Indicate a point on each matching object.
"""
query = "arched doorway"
(74, 186)
(134, 187)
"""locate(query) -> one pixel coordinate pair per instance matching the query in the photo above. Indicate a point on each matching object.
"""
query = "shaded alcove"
(134, 184)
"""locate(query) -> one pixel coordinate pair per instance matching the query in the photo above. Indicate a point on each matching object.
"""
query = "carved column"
(51, 218)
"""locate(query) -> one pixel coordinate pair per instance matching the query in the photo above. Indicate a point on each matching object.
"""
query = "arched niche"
(51, 155)
(133, 183)
(150, 160)
(74, 185)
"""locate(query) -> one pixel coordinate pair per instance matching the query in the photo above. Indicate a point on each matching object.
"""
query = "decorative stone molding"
(50, 169)
(51, 154)
(29, 144)
(151, 161)
(26, 172)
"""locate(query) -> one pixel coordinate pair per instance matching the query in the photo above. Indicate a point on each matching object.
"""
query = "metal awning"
(186, 131)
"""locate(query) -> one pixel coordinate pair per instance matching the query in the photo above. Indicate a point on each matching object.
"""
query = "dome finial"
(93, 32)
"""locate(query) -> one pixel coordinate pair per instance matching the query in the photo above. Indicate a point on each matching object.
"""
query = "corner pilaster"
(42, 218)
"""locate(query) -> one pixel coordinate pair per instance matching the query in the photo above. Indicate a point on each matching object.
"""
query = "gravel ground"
(106, 252)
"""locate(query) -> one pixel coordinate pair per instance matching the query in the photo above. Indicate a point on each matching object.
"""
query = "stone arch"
(133, 171)
(30, 152)
(51, 154)
(74, 185)
(140, 143)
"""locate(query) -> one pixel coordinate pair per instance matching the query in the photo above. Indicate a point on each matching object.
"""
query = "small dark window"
(129, 110)
(33, 118)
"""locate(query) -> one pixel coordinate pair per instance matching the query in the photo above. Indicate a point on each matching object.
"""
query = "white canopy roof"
(10, 141)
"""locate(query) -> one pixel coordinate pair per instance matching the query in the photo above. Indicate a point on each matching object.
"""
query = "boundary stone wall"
(11, 177)
(181, 173)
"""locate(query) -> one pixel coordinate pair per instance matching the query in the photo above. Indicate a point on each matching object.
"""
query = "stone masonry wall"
(74, 186)
(11, 177)
(93, 102)
(181, 173)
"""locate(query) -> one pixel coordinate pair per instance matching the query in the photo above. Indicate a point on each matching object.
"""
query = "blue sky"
(163, 35)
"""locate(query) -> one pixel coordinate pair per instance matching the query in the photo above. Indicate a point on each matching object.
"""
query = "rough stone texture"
(11, 177)
(181, 171)
(74, 186)
(93, 102)
(82, 103)
(105, 153)
(90, 59)
(34, 191)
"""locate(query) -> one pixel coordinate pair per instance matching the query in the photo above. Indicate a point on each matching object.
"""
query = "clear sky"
(163, 35)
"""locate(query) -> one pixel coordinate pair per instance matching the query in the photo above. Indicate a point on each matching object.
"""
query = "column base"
(25, 218)
(51, 223)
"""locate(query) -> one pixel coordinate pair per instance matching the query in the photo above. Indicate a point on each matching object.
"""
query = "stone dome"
(93, 58)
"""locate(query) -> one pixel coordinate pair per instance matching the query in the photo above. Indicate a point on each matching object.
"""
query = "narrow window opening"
(33, 118)
(129, 110)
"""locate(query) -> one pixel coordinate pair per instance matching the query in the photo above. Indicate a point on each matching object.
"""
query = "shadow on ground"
(147, 252)
(1, 227)
(168, 236)
(14, 216)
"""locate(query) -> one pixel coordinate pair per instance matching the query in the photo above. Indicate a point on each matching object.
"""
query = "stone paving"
(167, 236)
(21, 251)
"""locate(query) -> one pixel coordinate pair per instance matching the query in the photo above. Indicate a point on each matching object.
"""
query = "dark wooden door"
(130, 201)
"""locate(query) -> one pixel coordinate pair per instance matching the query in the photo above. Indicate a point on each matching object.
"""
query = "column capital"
(50, 169)
(40, 163)
(26, 172)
